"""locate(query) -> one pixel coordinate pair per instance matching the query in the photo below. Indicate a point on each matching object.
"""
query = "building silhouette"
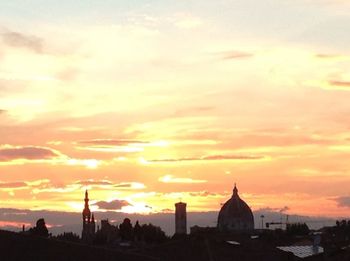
(89, 227)
(180, 218)
(235, 215)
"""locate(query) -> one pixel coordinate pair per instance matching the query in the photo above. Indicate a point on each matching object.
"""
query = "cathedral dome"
(235, 214)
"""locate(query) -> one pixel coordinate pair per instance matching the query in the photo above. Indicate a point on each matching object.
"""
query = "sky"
(146, 103)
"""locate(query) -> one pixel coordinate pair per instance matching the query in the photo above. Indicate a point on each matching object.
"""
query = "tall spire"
(86, 211)
(86, 199)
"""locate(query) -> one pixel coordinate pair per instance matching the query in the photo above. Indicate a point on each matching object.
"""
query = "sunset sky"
(149, 102)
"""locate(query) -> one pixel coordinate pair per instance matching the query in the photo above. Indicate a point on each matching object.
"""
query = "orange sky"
(146, 104)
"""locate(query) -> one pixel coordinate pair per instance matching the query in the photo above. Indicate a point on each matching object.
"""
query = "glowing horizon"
(148, 103)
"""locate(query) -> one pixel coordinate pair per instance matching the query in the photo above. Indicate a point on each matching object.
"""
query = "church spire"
(86, 199)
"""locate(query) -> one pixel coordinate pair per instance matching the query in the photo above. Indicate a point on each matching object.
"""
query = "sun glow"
(88, 163)
(123, 106)
(140, 208)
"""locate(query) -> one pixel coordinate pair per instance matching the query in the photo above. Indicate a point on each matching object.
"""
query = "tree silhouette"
(153, 234)
(68, 236)
(100, 238)
(299, 229)
(126, 231)
(40, 229)
(137, 231)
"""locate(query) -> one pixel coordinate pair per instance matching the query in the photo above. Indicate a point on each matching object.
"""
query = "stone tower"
(180, 218)
(89, 227)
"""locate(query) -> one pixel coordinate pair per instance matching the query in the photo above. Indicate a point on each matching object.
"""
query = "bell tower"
(86, 211)
(88, 232)
(180, 218)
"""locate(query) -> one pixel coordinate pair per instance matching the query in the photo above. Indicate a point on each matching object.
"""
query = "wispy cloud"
(48, 187)
(343, 201)
(112, 205)
(337, 83)
(208, 158)
(112, 142)
(327, 56)
(232, 157)
(113, 149)
(25, 185)
(9, 153)
(92, 182)
(18, 155)
(130, 185)
(13, 185)
(206, 193)
(107, 184)
(16, 39)
(230, 55)
(118, 145)
(172, 179)
(280, 210)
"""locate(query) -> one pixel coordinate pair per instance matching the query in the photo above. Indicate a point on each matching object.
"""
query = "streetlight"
(262, 221)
